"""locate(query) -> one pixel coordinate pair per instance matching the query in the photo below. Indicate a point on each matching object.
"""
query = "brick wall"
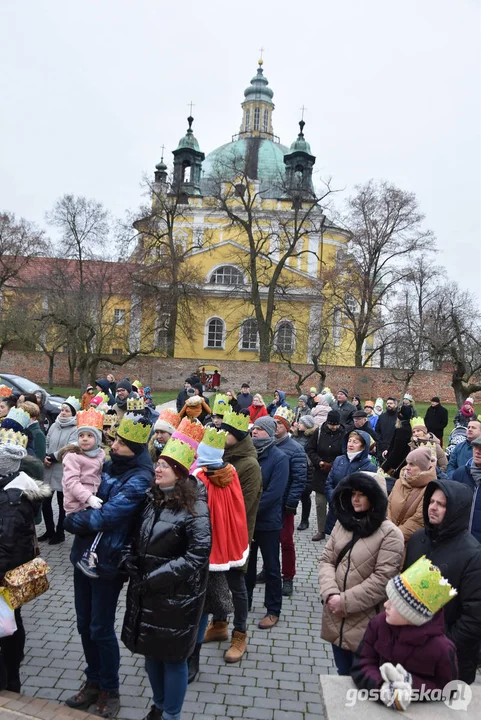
(169, 374)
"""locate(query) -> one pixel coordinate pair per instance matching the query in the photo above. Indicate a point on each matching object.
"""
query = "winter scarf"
(467, 410)
(263, 444)
(222, 477)
(10, 458)
(65, 422)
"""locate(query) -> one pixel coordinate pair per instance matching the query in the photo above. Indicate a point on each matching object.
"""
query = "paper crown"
(137, 384)
(135, 404)
(418, 422)
(132, 428)
(19, 416)
(420, 591)
(179, 451)
(221, 405)
(10, 437)
(73, 402)
(214, 438)
(170, 416)
(100, 398)
(5, 391)
(90, 418)
(285, 413)
(237, 421)
(110, 419)
(192, 430)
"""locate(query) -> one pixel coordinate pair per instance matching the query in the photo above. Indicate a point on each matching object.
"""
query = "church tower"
(188, 163)
(299, 162)
(257, 107)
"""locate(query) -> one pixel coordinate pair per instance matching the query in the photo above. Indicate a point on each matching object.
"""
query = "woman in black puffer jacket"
(168, 563)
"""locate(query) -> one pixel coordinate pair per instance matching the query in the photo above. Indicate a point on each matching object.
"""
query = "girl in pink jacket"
(82, 473)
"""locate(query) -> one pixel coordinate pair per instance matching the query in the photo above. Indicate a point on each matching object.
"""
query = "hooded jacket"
(324, 445)
(20, 501)
(297, 470)
(320, 411)
(342, 467)
(463, 475)
(457, 554)
(275, 472)
(243, 457)
(170, 552)
(423, 651)
(374, 552)
(405, 505)
(58, 437)
(273, 406)
(459, 456)
(123, 492)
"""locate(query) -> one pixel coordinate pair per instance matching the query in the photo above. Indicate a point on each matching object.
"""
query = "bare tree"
(20, 242)
(386, 231)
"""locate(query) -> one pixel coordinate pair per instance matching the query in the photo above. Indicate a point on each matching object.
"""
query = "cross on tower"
(302, 109)
(261, 50)
(162, 148)
(191, 105)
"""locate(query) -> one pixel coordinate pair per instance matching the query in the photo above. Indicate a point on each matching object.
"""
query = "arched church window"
(265, 121)
(215, 333)
(249, 337)
(257, 118)
(227, 275)
(248, 119)
(187, 172)
(285, 337)
(299, 175)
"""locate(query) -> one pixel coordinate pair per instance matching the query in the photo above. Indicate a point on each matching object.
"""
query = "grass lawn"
(159, 397)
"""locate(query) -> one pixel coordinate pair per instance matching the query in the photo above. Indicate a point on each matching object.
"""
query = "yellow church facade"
(253, 233)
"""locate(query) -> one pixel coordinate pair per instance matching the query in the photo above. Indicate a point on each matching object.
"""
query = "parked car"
(21, 385)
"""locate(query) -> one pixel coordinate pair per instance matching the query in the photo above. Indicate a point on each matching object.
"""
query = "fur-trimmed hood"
(32, 489)
(194, 400)
(363, 524)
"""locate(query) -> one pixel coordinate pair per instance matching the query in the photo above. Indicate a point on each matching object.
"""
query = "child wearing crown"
(404, 652)
(82, 475)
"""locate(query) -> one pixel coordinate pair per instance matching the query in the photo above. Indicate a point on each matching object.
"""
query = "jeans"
(204, 621)
(237, 585)
(321, 508)
(287, 546)
(306, 503)
(168, 681)
(268, 542)
(96, 605)
(48, 514)
(343, 659)
(11, 655)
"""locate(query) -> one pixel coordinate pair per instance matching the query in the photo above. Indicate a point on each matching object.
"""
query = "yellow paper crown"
(237, 421)
(286, 413)
(135, 404)
(10, 437)
(214, 438)
(133, 429)
(425, 582)
(90, 418)
(417, 421)
(168, 415)
(179, 451)
(221, 405)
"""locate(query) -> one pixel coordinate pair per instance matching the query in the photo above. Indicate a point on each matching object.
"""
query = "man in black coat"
(345, 407)
(447, 542)
(385, 427)
(182, 396)
(436, 418)
(324, 446)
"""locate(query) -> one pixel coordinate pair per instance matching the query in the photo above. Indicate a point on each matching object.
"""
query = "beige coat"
(401, 510)
(360, 580)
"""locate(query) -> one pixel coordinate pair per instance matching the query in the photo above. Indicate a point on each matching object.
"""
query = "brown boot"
(318, 536)
(216, 631)
(238, 647)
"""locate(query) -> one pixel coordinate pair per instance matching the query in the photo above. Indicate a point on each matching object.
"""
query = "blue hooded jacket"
(275, 472)
(123, 496)
(273, 406)
(342, 467)
(463, 475)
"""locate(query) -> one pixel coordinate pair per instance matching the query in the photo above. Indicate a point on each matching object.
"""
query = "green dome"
(262, 159)
(189, 140)
(301, 144)
(258, 89)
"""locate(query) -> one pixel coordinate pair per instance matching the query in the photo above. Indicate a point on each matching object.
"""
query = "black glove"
(130, 566)
(51, 457)
(290, 510)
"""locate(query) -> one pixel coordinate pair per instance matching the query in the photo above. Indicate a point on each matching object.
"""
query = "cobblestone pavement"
(276, 680)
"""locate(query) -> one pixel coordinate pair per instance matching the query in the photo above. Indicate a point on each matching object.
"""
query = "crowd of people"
(178, 503)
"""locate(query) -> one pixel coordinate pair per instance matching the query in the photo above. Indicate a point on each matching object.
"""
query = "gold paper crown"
(179, 451)
(424, 581)
(221, 405)
(135, 404)
(170, 416)
(137, 384)
(214, 438)
(417, 421)
(132, 429)
(285, 413)
(110, 419)
(193, 430)
(237, 421)
(90, 418)
(10, 437)
(5, 391)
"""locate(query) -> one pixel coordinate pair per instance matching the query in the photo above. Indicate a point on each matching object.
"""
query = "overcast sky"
(91, 90)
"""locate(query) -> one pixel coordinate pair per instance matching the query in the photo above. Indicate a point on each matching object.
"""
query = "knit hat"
(333, 417)
(307, 421)
(164, 426)
(469, 401)
(379, 402)
(303, 398)
(170, 417)
(73, 404)
(419, 592)
(420, 457)
(211, 448)
(266, 423)
(89, 387)
(343, 390)
(435, 399)
(190, 391)
(356, 397)
(96, 400)
(125, 384)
